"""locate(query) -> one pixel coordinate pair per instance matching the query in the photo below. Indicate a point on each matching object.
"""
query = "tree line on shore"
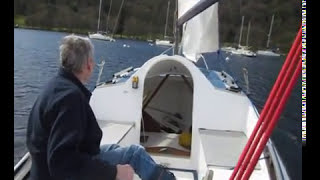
(146, 18)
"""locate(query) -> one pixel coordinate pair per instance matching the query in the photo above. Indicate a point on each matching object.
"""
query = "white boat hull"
(99, 36)
(267, 53)
(243, 52)
(163, 43)
(249, 53)
(228, 49)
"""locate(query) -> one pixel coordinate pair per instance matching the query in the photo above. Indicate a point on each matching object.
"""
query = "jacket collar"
(70, 76)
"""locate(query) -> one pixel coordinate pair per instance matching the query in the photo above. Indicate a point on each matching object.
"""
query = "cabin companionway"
(166, 123)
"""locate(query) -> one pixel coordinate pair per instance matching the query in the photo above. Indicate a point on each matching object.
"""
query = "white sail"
(201, 33)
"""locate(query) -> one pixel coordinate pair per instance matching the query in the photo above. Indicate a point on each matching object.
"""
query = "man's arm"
(64, 159)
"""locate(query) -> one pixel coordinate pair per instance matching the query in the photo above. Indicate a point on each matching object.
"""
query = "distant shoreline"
(83, 32)
(117, 36)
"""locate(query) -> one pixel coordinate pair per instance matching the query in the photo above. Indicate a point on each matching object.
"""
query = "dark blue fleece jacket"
(63, 134)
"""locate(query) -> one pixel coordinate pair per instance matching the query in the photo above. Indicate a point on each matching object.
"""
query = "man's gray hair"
(74, 52)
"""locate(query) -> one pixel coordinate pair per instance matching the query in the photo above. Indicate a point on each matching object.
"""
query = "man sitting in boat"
(63, 136)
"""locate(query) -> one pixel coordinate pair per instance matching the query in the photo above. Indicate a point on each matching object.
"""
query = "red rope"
(274, 120)
(276, 99)
(267, 105)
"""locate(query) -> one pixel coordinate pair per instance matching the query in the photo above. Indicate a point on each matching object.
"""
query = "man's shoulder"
(59, 89)
(62, 83)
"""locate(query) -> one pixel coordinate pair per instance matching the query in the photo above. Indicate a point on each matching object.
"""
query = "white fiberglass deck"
(222, 148)
(113, 133)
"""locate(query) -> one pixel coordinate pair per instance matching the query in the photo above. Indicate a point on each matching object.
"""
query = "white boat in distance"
(168, 96)
(268, 52)
(246, 49)
(163, 43)
(249, 53)
(243, 50)
(228, 49)
(98, 35)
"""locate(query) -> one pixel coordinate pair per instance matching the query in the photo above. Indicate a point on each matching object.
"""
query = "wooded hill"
(146, 18)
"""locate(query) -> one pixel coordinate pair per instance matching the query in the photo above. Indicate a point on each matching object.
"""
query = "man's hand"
(124, 172)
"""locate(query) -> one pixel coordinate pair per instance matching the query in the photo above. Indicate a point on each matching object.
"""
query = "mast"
(99, 16)
(270, 31)
(115, 27)
(174, 20)
(241, 31)
(248, 33)
(176, 29)
(165, 29)
(150, 32)
(108, 16)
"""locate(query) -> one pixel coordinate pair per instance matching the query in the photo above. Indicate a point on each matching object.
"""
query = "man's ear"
(91, 64)
(88, 64)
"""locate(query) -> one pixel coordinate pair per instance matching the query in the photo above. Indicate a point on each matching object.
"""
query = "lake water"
(36, 55)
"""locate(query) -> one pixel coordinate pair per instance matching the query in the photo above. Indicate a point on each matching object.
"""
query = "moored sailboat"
(99, 35)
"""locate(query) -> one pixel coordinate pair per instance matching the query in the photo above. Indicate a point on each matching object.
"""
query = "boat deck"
(222, 148)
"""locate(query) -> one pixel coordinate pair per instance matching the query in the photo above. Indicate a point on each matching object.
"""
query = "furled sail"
(201, 33)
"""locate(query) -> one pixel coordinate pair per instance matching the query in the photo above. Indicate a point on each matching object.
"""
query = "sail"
(201, 33)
